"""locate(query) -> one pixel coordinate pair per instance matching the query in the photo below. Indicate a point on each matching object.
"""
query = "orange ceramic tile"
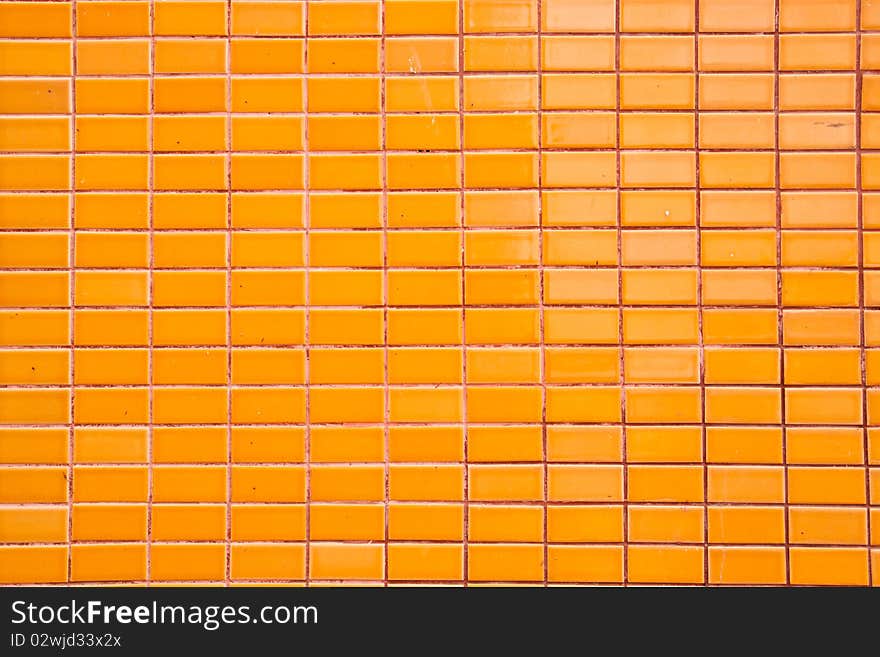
(662, 524)
(267, 18)
(500, 562)
(346, 562)
(663, 444)
(733, 130)
(725, 365)
(34, 485)
(665, 483)
(828, 525)
(657, 207)
(190, 444)
(425, 562)
(587, 404)
(506, 523)
(33, 524)
(669, 53)
(574, 16)
(500, 53)
(111, 484)
(735, 444)
(513, 92)
(347, 522)
(107, 562)
(658, 565)
(570, 91)
(745, 566)
(798, 52)
(657, 91)
(593, 564)
(834, 91)
(420, 17)
(44, 564)
(33, 367)
(743, 405)
(660, 326)
(31, 446)
(740, 16)
(109, 522)
(842, 566)
(267, 56)
(425, 443)
(736, 53)
(577, 53)
(32, 57)
(268, 522)
(264, 562)
(744, 524)
(736, 91)
(343, 18)
(576, 483)
(753, 170)
(653, 130)
(745, 484)
(826, 485)
(584, 443)
(730, 287)
(588, 524)
(425, 522)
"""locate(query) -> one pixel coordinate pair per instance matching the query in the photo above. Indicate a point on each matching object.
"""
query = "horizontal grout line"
(445, 542)
(450, 73)
(451, 306)
(318, 464)
(371, 385)
(444, 423)
(378, 33)
(845, 112)
(537, 503)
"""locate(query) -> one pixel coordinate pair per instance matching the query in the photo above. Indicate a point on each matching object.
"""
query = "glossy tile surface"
(440, 291)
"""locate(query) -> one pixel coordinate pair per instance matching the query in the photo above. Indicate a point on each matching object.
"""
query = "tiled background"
(475, 291)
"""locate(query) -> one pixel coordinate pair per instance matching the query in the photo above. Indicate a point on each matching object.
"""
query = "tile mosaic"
(412, 291)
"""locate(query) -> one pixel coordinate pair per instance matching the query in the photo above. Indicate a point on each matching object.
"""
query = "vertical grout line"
(542, 347)
(461, 221)
(779, 314)
(306, 208)
(861, 269)
(228, 163)
(699, 247)
(387, 398)
(151, 176)
(71, 272)
(620, 348)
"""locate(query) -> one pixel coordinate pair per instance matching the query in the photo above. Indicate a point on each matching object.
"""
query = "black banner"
(125, 621)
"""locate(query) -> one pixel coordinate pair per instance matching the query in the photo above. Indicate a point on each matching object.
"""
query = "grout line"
(542, 360)
(700, 299)
(386, 432)
(464, 338)
(307, 257)
(228, 286)
(861, 263)
(71, 320)
(780, 309)
(589, 35)
(620, 334)
(151, 293)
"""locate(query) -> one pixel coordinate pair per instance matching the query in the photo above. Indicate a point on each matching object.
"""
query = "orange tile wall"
(454, 291)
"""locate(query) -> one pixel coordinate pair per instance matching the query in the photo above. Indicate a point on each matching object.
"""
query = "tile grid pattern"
(651, 313)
